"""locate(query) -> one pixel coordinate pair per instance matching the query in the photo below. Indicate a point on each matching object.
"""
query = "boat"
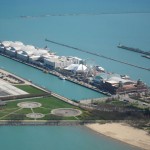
(45, 71)
(62, 77)
(125, 77)
(99, 68)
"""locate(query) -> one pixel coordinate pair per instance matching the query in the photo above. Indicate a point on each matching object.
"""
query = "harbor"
(73, 23)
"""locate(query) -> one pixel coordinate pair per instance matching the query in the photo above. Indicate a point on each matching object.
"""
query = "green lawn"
(12, 111)
(30, 89)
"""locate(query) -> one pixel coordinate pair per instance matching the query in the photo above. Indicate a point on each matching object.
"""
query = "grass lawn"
(12, 111)
(30, 89)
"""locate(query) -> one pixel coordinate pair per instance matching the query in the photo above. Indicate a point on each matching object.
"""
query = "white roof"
(40, 52)
(76, 67)
(18, 43)
(101, 68)
(7, 43)
(77, 58)
(117, 80)
(30, 47)
(34, 57)
(12, 44)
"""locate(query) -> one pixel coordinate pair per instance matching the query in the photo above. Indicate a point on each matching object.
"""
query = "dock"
(53, 72)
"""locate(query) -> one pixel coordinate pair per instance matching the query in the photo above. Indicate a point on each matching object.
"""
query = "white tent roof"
(40, 52)
(76, 67)
(7, 43)
(18, 43)
(118, 79)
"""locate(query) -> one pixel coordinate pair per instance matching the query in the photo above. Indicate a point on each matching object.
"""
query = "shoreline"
(124, 133)
(44, 122)
(67, 100)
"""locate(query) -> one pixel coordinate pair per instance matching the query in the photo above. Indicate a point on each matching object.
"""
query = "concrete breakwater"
(45, 122)
(81, 14)
(96, 54)
(57, 122)
(137, 50)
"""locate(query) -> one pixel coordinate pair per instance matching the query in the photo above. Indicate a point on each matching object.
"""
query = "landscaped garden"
(16, 110)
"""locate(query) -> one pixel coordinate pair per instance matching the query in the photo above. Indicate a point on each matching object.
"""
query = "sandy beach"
(124, 133)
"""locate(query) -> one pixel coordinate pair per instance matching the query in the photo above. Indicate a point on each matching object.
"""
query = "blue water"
(64, 138)
(100, 33)
(50, 82)
(117, 21)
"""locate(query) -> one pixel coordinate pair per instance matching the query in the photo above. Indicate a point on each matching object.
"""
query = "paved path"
(10, 113)
(65, 99)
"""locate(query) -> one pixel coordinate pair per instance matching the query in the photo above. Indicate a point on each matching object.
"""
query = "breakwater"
(97, 54)
(137, 50)
(146, 56)
(46, 123)
(81, 14)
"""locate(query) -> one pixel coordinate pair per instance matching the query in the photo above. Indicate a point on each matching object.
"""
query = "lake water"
(56, 138)
(116, 21)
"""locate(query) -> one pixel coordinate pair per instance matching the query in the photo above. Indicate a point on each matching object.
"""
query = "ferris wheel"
(90, 64)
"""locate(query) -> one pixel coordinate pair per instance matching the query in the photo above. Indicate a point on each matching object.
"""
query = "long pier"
(97, 54)
(58, 74)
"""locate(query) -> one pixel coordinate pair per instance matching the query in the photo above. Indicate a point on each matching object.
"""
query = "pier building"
(75, 69)
(118, 84)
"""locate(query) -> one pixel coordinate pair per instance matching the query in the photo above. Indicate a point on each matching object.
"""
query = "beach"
(123, 132)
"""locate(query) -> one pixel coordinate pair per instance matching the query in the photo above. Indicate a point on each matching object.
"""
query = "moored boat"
(62, 77)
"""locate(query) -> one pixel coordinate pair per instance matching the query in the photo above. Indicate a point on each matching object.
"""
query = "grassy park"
(30, 89)
(105, 111)
(13, 112)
